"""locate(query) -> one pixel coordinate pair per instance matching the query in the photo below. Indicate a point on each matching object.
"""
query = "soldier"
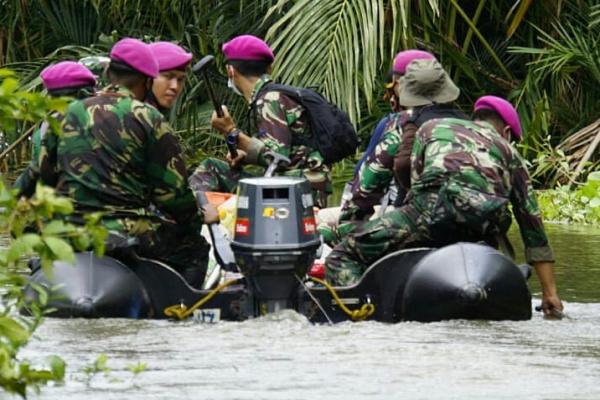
(172, 63)
(118, 155)
(376, 173)
(66, 78)
(464, 174)
(279, 121)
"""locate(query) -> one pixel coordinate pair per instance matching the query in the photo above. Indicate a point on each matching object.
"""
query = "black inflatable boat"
(274, 246)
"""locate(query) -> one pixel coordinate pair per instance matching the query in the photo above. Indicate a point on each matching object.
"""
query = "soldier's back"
(466, 153)
(102, 154)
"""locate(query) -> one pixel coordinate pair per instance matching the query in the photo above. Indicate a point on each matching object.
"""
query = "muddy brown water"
(282, 356)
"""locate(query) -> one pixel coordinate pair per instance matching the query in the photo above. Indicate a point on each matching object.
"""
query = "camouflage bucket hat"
(426, 82)
(98, 65)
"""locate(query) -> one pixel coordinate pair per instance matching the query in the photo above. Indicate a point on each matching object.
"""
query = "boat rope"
(360, 314)
(312, 296)
(181, 312)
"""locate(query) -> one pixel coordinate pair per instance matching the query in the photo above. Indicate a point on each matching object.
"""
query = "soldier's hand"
(552, 306)
(238, 161)
(211, 214)
(224, 124)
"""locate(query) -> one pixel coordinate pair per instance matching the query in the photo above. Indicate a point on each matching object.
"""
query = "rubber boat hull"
(460, 281)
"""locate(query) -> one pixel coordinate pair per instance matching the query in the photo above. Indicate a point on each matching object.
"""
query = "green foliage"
(99, 365)
(137, 368)
(542, 55)
(37, 227)
(580, 206)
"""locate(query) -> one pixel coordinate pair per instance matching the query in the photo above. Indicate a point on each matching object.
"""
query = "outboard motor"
(275, 238)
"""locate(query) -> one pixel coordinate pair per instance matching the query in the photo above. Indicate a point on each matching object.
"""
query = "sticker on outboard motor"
(309, 226)
(307, 200)
(242, 226)
(207, 316)
(242, 202)
(277, 213)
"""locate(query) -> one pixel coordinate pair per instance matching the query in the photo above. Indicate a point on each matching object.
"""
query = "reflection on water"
(577, 252)
(285, 357)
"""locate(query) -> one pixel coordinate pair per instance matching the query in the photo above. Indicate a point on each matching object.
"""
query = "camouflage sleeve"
(167, 173)
(527, 214)
(47, 159)
(374, 178)
(25, 183)
(275, 114)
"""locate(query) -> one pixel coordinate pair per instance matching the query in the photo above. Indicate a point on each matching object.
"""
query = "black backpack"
(332, 133)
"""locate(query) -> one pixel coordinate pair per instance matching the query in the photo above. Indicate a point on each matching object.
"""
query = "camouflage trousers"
(213, 175)
(428, 219)
(182, 247)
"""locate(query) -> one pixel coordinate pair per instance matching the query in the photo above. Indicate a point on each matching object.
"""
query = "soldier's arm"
(528, 215)
(167, 175)
(373, 179)
(537, 248)
(25, 183)
(47, 159)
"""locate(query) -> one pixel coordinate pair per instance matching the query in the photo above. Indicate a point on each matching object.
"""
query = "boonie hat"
(170, 56)
(67, 74)
(247, 48)
(405, 57)
(137, 55)
(506, 111)
(426, 82)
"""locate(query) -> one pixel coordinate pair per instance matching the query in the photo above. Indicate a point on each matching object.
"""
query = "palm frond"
(340, 51)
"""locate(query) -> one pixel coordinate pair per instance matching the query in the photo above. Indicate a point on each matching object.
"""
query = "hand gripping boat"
(274, 245)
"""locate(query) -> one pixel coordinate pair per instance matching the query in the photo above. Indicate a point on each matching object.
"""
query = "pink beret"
(506, 111)
(66, 74)
(405, 57)
(247, 47)
(137, 55)
(170, 56)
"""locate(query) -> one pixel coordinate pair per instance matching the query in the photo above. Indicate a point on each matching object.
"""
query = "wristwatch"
(232, 136)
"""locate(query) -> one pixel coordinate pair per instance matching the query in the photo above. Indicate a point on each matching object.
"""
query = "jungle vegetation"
(542, 55)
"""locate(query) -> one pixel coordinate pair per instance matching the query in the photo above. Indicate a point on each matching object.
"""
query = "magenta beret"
(405, 57)
(137, 55)
(66, 74)
(170, 56)
(247, 47)
(506, 111)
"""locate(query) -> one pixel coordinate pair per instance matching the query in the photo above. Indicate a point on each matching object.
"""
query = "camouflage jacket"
(118, 155)
(480, 172)
(26, 182)
(277, 119)
(376, 173)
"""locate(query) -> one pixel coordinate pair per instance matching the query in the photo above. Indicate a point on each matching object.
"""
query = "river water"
(285, 357)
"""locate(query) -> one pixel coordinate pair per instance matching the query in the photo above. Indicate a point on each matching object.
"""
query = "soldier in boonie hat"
(426, 82)
(98, 66)
(172, 63)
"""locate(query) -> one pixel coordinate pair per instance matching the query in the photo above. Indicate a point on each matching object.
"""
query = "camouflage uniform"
(371, 183)
(278, 118)
(118, 155)
(463, 176)
(25, 183)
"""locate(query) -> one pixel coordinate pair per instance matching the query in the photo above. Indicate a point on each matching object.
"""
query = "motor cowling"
(275, 237)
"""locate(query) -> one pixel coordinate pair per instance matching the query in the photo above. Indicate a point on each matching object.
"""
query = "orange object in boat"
(217, 198)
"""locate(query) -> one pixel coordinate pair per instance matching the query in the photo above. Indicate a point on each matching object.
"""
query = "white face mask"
(232, 86)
